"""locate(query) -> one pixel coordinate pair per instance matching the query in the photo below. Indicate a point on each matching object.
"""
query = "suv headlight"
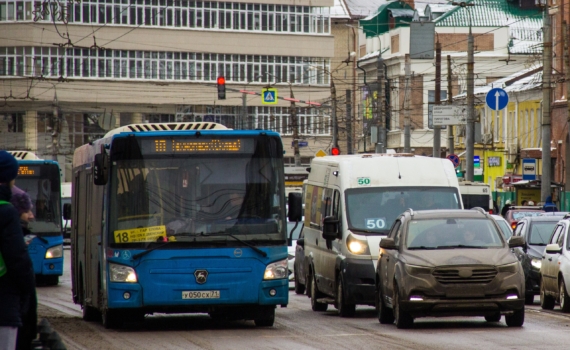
(508, 268)
(276, 270)
(536, 263)
(418, 270)
(122, 273)
(54, 252)
(357, 246)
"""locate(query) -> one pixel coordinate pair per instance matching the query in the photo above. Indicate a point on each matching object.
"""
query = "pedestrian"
(28, 332)
(16, 272)
(549, 206)
(506, 208)
(524, 202)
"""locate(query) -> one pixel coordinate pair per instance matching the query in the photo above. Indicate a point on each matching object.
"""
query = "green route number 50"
(363, 181)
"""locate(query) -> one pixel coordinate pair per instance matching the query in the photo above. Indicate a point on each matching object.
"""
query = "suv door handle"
(549, 259)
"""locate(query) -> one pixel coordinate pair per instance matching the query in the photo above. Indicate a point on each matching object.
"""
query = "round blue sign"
(497, 99)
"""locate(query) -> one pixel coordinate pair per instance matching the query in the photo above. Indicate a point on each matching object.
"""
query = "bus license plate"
(202, 294)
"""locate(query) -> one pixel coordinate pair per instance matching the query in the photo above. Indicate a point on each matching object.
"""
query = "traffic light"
(221, 88)
(335, 151)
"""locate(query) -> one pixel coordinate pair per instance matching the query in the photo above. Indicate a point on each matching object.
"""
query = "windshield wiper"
(138, 255)
(422, 247)
(264, 254)
(460, 246)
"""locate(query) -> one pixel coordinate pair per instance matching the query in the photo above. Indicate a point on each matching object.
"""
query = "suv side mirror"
(517, 241)
(295, 203)
(553, 249)
(388, 243)
(330, 228)
(67, 211)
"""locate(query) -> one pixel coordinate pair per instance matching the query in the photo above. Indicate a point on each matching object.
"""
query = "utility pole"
(470, 129)
(545, 189)
(56, 127)
(295, 122)
(437, 128)
(381, 144)
(407, 119)
(243, 116)
(566, 37)
(333, 115)
(348, 121)
(450, 141)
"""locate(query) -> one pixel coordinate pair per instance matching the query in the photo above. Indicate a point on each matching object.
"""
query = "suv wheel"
(546, 301)
(564, 297)
(315, 305)
(344, 309)
(403, 319)
(385, 315)
(529, 299)
(516, 319)
(493, 318)
(299, 288)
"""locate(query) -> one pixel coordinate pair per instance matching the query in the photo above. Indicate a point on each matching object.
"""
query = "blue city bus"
(179, 218)
(41, 180)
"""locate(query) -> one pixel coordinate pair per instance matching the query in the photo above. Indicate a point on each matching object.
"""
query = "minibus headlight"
(356, 246)
(54, 252)
(122, 273)
(276, 270)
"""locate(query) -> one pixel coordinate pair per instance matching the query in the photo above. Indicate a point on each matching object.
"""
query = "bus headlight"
(276, 270)
(54, 252)
(122, 273)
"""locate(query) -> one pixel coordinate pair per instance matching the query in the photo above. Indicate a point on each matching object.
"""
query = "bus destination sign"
(202, 146)
(26, 170)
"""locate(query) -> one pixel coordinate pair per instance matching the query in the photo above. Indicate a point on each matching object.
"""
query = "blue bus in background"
(180, 218)
(41, 179)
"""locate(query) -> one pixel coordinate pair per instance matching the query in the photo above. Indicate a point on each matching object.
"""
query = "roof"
(525, 24)
(377, 23)
(339, 10)
(363, 8)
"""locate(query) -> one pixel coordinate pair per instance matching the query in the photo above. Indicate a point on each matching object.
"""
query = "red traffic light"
(335, 151)
(221, 88)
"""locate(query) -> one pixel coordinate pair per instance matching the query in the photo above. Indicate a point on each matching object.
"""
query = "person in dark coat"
(549, 206)
(17, 284)
(28, 332)
(506, 208)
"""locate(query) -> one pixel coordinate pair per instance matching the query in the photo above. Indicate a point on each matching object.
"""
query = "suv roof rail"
(411, 211)
(479, 209)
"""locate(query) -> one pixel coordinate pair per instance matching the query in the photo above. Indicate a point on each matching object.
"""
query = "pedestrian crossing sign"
(269, 96)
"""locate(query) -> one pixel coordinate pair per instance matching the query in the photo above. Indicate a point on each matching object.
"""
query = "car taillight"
(513, 225)
(490, 211)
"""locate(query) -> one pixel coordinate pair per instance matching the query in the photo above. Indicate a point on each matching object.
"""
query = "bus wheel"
(51, 280)
(90, 314)
(266, 318)
(110, 319)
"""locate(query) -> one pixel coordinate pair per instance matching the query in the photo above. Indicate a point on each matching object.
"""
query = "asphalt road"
(297, 327)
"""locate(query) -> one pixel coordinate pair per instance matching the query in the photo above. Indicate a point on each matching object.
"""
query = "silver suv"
(448, 263)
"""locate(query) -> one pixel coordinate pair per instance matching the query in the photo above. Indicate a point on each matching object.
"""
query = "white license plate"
(201, 294)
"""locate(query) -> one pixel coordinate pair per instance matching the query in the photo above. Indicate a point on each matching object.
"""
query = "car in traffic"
(536, 231)
(299, 266)
(515, 213)
(448, 263)
(506, 230)
(555, 269)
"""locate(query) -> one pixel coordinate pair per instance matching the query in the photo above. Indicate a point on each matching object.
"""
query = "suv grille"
(453, 276)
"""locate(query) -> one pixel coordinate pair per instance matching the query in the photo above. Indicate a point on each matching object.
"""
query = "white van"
(476, 194)
(66, 198)
(350, 204)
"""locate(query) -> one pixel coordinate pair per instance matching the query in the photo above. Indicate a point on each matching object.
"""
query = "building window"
(12, 122)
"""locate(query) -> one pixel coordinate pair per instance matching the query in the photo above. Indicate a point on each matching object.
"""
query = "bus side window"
(336, 209)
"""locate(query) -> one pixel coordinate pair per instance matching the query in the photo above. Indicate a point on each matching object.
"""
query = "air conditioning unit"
(513, 152)
(487, 138)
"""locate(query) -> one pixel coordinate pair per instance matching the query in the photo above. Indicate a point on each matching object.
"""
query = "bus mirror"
(67, 211)
(295, 203)
(100, 169)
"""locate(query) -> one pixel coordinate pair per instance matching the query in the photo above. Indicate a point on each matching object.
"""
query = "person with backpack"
(17, 281)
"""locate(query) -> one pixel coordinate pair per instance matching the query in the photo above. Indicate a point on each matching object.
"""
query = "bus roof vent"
(148, 127)
(21, 155)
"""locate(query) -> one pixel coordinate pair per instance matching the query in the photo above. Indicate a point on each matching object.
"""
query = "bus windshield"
(374, 209)
(203, 197)
(42, 183)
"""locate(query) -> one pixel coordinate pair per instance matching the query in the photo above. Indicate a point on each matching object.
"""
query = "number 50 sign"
(375, 223)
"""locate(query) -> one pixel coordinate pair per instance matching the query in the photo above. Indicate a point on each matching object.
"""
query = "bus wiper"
(143, 253)
(264, 254)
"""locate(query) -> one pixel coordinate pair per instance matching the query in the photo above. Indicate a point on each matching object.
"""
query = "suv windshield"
(452, 233)
(374, 209)
(540, 232)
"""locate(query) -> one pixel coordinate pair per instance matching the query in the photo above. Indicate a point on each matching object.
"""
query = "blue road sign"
(497, 99)
(454, 159)
(269, 96)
